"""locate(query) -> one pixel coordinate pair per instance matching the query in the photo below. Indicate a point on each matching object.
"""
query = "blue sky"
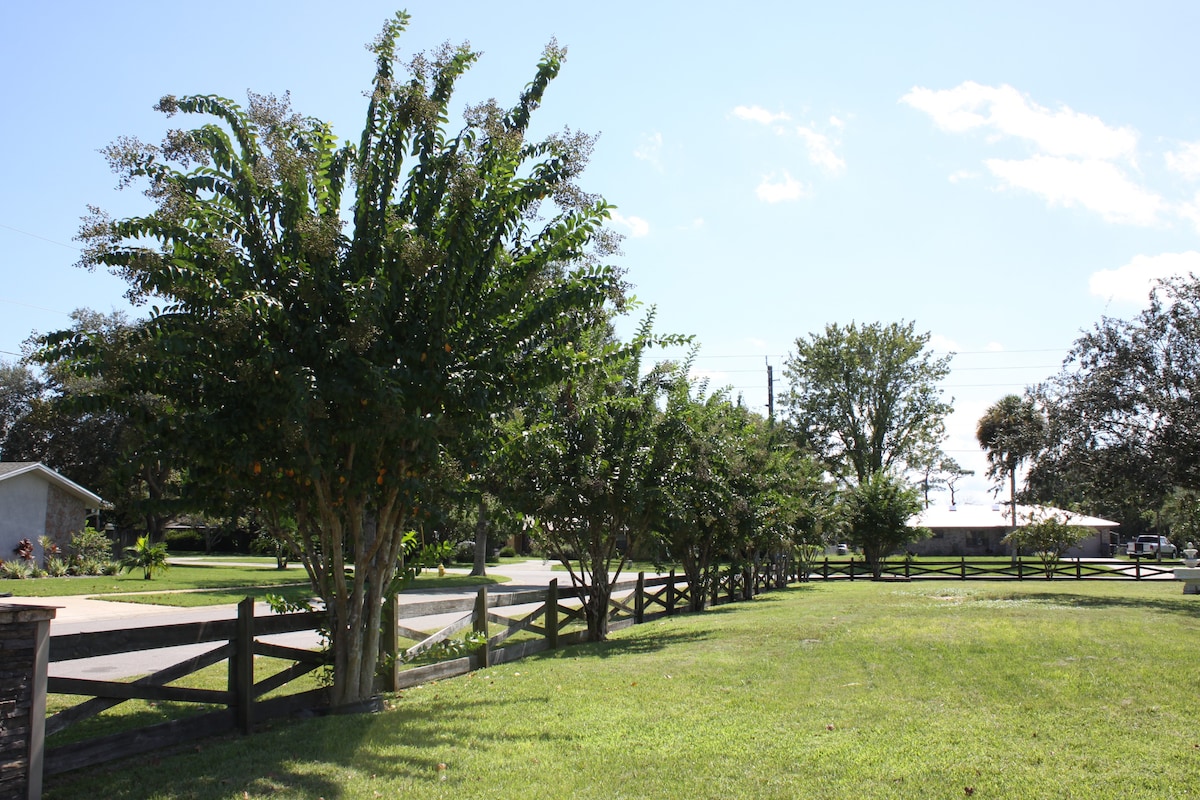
(1003, 174)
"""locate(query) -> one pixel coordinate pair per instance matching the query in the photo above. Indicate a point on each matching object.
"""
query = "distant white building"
(977, 530)
(36, 501)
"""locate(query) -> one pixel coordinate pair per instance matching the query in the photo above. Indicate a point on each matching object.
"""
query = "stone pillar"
(24, 660)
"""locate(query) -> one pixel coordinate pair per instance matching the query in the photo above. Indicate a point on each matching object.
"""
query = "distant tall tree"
(865, 398)
(1011, 431)
(19, 388)
(328, 357)
(1123, 417)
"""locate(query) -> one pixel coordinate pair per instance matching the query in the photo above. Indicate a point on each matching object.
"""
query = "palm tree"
(1011, 431)
(150, 558)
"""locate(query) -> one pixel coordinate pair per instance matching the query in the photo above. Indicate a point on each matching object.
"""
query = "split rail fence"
(516, 625)
(513, 625)
(964, 569)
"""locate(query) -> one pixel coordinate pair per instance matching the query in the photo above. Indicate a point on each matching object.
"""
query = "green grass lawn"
(179, 576)
(205, 584)
(856, 690)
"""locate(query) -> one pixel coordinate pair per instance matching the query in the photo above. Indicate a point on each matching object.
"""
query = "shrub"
(55, 567)
(508, 552)
(24, 549)
(90, 545)
(149, 558)
(464, 553)
(184, 540)
(15, 570)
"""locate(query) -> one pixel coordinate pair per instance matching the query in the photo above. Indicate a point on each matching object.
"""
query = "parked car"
(1148, 545)
(843, 549)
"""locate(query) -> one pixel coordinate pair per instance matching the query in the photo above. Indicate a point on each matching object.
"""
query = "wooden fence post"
(479, 624)
(671, 593)
(1137, 567)
(25, 643)
(851, 567)
(241, 667)
(1078, 570)
(825, 569)
(552, 614)
(639, 600)
(962, 567)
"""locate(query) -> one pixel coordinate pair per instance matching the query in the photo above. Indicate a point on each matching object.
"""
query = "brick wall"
(24, 631)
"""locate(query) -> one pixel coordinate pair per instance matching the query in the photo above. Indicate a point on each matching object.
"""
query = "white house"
(968, 530)
(36, 501)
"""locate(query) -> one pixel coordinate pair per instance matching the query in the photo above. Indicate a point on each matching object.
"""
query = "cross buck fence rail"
(548, 618)
(507, 626)
(1022, 569)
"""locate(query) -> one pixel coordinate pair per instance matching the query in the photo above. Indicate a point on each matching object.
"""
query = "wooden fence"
(964, 569)
(511, 625)
(545, 616)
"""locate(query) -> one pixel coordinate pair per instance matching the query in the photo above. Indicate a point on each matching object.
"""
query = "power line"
(35, 236)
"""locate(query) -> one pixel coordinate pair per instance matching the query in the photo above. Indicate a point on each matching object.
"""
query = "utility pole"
(770, 392)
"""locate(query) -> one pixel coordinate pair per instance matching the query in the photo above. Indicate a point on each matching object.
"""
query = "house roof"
(999, 516)
(11, 469)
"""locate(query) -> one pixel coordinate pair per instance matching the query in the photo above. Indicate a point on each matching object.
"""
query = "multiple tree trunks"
(541, 615)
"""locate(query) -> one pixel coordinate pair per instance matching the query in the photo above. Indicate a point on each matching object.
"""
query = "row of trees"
(349, 339)
(1116, 431)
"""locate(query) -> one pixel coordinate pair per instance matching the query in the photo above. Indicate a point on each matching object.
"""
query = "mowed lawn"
(832, 690)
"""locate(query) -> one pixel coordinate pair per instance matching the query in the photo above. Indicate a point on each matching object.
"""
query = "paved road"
(76, 614)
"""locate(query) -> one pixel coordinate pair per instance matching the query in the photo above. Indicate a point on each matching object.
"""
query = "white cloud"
(1132, 282)
(1098, 186)
(636, 226)
(820, 150)
(1185, 160)
(994, 347)
(759, 115)
(1005, 111)
(942, 344)
(834, 122)
(779, 189)
(962, 175)
(650, 150)
(695, 225)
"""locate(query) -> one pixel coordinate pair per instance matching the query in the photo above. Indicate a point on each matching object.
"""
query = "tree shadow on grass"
(1188, 606)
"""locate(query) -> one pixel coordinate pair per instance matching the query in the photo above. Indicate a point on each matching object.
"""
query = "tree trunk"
(481, 527)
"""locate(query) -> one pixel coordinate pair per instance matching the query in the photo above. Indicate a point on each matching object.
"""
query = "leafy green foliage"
(876, 514)
(149, 558)
(587, 462)
(1046, 535)
(865, 398)
(326, 367)
(1011, 431)
(1122, 417)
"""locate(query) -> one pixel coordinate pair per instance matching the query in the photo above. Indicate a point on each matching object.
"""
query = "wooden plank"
(440, 636)
(89, 708)
(282, 678)
(432, 608)
(513, 625)
(517, 598)
(435, 672)
(289, 653)
(515, 652)
(140, 691)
